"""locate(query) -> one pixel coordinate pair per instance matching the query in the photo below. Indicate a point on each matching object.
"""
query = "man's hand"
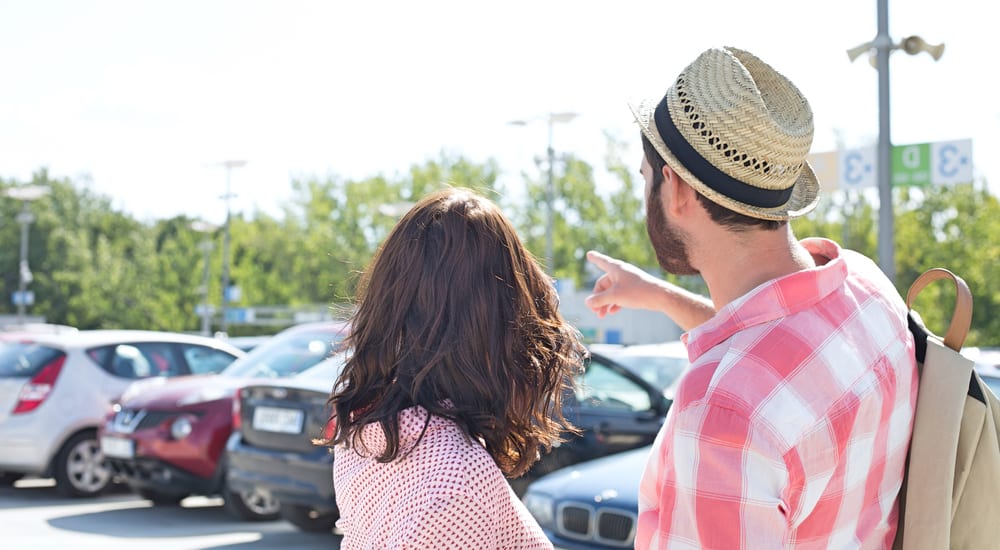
(625, 285)
(622, 285)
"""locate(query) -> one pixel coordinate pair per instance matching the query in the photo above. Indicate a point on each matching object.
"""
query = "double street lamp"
(883, 46)
(551, 119)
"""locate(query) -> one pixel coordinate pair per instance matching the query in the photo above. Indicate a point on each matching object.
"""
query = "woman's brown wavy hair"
(454, 308)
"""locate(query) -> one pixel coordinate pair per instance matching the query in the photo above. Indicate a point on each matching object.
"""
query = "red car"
(166, 439)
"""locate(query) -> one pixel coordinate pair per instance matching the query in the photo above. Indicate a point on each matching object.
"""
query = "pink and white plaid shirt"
(444, 493)
(791, 428)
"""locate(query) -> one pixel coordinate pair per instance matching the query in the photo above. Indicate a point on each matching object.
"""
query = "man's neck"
(737, 263)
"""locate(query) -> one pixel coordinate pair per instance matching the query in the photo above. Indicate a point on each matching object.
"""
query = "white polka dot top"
(446, 493)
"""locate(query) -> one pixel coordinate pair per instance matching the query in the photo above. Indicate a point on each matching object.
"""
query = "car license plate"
(275, 419)
(117, 447)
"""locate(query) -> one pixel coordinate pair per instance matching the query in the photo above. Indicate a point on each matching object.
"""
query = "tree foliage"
(97, 267)
(951, 227)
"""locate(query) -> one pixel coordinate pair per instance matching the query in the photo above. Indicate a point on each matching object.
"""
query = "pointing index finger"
(600, 260)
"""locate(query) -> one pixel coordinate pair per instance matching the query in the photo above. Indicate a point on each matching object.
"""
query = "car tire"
(251, 505)
(8, 479)
(309, 519)
(79, 468)
(159, 498)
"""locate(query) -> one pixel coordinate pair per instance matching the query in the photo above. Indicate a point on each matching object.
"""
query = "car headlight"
(541, 507)
(181, 428)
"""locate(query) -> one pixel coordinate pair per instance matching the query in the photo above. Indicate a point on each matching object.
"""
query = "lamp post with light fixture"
(22, 298)
(204, 309)
(883, 46)
(229, 165)
(551, 119)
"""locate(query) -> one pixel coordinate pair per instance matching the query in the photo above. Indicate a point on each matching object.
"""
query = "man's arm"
(625, 285)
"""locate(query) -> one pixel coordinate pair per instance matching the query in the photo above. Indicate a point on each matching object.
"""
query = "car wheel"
(253, 505)
(7, 479)
(159, 498)
(309, 519)
(79, 467)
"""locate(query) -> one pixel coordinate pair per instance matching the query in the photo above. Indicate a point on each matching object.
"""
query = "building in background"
(628, 326)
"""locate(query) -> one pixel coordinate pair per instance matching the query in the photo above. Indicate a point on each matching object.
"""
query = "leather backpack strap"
(961, 320)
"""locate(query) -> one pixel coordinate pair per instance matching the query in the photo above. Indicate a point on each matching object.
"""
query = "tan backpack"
(951, 493)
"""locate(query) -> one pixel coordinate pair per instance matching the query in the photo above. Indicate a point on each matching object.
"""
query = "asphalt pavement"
(34, 517)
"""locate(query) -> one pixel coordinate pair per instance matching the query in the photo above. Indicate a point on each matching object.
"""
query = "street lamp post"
(229, 165)
(206, 246)
(205, 310)
(25, 218)
(551, 119)
(883, 46)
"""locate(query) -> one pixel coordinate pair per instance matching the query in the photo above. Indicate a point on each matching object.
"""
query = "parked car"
(167, 440)
(988, 366)
(991, 378)
(273, 453)
(590, 505)
(247, 343)
(615, 409)
(56, 388)
(271, 449)
(659, 364)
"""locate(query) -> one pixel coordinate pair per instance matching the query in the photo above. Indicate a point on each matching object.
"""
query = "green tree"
(92, 265)
(954, 227)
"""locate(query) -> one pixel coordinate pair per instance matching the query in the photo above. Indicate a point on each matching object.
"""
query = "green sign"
(919, 164)
(911, 165)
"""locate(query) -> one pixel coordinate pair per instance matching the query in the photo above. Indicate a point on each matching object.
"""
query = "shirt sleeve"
(719, 482)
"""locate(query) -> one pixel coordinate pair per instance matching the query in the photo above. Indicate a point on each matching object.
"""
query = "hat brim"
(805, 192)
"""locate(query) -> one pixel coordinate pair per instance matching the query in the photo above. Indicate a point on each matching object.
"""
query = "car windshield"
(285, 354)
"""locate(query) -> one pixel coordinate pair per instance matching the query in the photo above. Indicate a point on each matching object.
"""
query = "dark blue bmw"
(592, 504)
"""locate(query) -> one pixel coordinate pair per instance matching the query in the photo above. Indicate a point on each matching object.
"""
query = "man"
(791, 428)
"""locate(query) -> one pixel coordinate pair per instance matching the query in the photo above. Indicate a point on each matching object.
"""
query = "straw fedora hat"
(738, 132)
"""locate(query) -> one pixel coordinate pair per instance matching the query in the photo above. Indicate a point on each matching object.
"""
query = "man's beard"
(669, 243)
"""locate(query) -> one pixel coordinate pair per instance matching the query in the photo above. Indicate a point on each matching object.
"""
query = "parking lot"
(35, 517)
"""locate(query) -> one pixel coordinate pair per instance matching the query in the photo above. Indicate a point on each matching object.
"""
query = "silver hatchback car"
(55, 389)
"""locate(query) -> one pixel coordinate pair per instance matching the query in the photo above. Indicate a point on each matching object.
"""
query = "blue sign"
(19, 298)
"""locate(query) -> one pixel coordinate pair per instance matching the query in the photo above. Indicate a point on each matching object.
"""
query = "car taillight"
(39, 387)
(331, 426)
(237, 410)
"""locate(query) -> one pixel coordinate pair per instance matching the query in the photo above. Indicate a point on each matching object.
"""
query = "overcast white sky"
(145, 97)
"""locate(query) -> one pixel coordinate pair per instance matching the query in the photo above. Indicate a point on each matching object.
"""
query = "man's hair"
(455, 315)
(719, 214)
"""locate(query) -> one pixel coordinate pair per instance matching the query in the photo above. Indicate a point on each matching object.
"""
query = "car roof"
(87, 338)
(670, 348)
(332, 326)
(987, 357)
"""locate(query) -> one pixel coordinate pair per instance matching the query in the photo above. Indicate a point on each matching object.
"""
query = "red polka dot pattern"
(447, 492)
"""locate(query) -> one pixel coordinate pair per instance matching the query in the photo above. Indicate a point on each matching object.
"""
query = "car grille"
(604, 525)
(130, 420)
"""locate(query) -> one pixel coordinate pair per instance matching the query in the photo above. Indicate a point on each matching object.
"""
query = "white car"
(55, 389)
(659, 364)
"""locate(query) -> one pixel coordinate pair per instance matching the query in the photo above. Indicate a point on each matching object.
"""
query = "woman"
(459, 358)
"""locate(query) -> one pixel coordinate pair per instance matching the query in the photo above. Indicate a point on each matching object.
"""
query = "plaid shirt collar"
(773, 299)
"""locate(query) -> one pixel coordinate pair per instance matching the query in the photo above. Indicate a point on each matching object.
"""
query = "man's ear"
(679, 193)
